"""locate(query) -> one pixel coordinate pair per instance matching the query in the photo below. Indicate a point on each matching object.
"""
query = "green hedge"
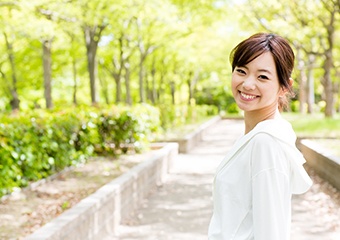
(40, 143)
(129, 128)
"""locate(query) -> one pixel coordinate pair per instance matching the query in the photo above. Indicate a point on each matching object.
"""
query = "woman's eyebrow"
(265, 70)
(258, 70)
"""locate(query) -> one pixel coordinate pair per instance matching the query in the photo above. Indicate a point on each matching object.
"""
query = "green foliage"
(122, 128)
(164, 32)
(219, 97)
(37, 144)
(178, 115)
(167, 43)
(295, 106)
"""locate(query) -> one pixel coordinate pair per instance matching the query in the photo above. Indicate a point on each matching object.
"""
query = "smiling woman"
(272, 58)
(255, 181)
(256, 86)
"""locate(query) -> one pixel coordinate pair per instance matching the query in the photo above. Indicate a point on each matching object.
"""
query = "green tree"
(311, 33)
(8, 67)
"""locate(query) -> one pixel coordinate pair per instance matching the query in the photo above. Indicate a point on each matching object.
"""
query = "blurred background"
(61, 53)
(87, 78)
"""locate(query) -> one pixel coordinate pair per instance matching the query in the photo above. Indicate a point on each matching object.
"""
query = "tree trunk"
(302, 91)
(91, 48)
(310, 84)
(328, 64)
(160, 89)
(147, 87)
(337, 89)
(190, 87)
(127, 83)
(153, 94)
(15, 102)
(327, 83)
(118, 67)
(75, 84)
(47, 62)
(172, 89)
(141, 80)
(92, 37)
(118, 89)
(192, 81)
(302, 82)
(104, 89)
(144, 52)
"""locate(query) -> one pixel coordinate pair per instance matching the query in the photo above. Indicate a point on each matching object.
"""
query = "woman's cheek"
(234, 84)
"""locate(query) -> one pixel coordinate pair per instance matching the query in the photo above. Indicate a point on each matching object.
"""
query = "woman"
(255, 181)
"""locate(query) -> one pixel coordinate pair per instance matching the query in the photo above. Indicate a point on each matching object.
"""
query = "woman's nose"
(248, 84)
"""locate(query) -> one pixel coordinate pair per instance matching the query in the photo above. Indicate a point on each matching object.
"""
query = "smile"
(247, 96)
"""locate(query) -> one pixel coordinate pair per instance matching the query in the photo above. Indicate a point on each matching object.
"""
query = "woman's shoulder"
(278, 129)
(268, 153)
(264, 140)
(263, 137)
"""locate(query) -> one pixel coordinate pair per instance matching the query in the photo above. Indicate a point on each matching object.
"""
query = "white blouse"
(254, 183)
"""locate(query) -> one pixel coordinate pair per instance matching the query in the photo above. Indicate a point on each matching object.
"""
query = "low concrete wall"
(98, 215)
(190, 140)
(325, 164)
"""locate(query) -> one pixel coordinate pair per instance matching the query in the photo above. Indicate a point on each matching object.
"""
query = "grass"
(324, 131)
(314, 126)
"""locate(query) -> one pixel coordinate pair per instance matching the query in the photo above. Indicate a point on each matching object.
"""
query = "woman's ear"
(284, 90)
(291, 81)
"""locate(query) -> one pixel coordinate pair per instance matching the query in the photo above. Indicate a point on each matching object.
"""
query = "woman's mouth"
(247, 97)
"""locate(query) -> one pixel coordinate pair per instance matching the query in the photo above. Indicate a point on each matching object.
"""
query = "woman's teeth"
(246, 96)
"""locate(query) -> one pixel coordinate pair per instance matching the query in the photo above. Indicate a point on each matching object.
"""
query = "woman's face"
(255, 86)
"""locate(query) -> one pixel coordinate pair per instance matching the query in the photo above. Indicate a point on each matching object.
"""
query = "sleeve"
(270, 186)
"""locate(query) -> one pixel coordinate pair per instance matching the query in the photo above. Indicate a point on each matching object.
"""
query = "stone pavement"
(182, 207)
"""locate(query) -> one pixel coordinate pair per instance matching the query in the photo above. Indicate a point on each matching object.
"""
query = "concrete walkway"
(182, 207)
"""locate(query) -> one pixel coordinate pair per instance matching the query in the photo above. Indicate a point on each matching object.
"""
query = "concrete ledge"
(190, 140)
(325, 164)
(99, 215)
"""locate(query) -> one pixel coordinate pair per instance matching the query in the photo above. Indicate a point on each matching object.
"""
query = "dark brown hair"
(249, 49)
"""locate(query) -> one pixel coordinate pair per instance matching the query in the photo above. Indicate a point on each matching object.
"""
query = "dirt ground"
(24, 212)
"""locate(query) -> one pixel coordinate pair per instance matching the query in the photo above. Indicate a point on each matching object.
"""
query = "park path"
(182, 207)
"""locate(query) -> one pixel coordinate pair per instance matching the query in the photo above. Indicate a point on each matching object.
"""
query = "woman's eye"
(263, 77)
(240, 71)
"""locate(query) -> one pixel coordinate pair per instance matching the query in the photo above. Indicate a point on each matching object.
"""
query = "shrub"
(121, 129)
(40, 143)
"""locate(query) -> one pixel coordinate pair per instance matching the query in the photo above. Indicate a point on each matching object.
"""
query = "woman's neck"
(252, 118)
